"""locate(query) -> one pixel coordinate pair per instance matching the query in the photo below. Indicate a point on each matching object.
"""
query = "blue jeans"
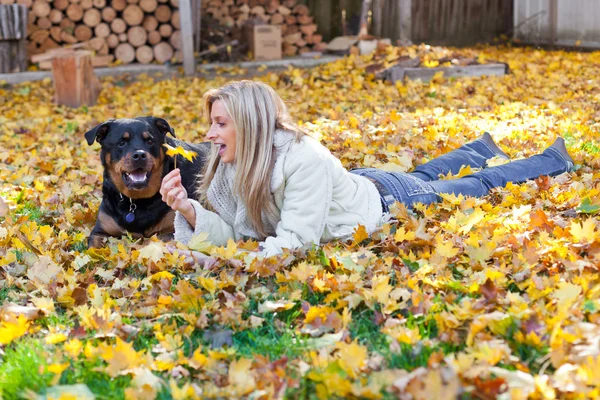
(422, 184)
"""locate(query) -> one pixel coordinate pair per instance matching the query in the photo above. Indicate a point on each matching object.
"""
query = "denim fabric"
(422, 185)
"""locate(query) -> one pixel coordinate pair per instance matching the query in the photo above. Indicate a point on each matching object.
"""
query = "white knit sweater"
(317, 198)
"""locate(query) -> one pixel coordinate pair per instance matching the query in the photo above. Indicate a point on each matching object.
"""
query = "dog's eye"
(150, 142)
(122, 143)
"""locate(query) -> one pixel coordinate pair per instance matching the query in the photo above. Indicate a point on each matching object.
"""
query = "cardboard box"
(264, 42)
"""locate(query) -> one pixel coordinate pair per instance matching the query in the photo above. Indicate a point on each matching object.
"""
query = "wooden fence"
(450, 22)
(558, 22)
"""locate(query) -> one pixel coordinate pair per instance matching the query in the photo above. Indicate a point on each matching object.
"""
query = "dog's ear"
(163, 126)
(98, 133)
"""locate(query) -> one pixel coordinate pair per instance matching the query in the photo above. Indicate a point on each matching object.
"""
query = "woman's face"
(222, 132)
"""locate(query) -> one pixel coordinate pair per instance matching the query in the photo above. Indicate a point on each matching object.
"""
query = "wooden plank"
(325, 18)
(13, 42)
(553, 21)
(426, 74)
(187, 37)
(13, 21)
(405, 19)
(377, 17)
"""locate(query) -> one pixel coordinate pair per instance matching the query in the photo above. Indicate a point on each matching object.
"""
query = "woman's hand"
(174, 194)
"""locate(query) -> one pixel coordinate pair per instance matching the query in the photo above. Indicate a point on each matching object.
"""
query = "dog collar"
(130, 217)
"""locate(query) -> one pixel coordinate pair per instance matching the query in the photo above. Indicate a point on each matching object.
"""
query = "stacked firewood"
(298, 28)
(130, 30)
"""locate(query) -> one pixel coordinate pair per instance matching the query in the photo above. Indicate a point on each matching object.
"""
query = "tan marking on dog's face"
(165, 226)
(117, 169)
(116, 176)
(126, 135)
(146, 135)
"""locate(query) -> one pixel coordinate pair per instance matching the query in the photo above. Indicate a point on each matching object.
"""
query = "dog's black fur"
(135, 162)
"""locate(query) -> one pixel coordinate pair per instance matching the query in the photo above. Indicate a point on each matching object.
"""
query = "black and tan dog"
(134, 161)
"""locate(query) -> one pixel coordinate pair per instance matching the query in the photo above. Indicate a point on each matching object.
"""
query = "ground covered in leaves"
(470, 298)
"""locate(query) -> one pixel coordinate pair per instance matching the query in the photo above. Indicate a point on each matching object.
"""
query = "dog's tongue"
(137, 176)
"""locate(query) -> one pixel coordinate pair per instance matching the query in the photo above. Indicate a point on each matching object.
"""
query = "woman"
(267, 180)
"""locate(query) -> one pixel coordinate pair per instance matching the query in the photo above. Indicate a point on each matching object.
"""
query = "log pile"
(298, 27)
(140, 31)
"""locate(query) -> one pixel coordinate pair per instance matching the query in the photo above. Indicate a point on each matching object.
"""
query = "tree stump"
(13, 34)
(75, 83)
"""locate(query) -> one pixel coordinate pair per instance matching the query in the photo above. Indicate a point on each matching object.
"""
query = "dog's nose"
(139, 155)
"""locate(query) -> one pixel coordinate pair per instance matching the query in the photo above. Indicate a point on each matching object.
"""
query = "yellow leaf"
(58, 368)
(198, 360)
(401, 235)
(303, 271)
(445, 248)
(210, 284)
(226, 252)
(566, 294)
(187, 154)
(360, 234)
(199, 243)
(73, 347)
(352, 357)
(153, 252)
(585, 232)
(121, 357)
(241, 377)
(54, 338)
(11, 330)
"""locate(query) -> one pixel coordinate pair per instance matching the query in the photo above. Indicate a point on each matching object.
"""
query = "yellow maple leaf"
(226, 252)
(13, 329)
(198, 359)
(352, 357)
(73, 347)
(584, 232)
(566, 294)
(200, 243)
(153, 252)
(241, 377)
(58, 368)
(401, 235)
(360, 234)
(174, 151)
(303, 271)
(121, 357)
(54, 338)
(445, 248)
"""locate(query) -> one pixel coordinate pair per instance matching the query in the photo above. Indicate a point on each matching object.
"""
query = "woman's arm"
(191, 218)
(205, 221)
(306, 203)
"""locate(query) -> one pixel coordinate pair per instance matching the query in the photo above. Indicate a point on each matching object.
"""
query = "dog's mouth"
(137, 179)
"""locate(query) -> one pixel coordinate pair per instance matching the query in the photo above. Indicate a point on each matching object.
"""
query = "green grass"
(4, 293)
(590, 147)
(102, 385)
(33, 212)
(368, 333)
(268, 341)
(22, 365)
(20, 369)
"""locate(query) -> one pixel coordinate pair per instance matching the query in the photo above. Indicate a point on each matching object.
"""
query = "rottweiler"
(135, 162)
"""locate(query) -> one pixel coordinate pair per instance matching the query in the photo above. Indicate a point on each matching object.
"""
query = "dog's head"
(133, 153)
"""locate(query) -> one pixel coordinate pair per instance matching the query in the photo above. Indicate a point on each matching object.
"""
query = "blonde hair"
(257, 112)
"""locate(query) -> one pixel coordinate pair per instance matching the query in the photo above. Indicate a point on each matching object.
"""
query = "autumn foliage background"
(471, 298)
